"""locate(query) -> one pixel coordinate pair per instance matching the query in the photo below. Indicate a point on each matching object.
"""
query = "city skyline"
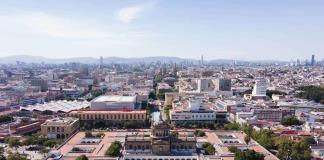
(238, 30)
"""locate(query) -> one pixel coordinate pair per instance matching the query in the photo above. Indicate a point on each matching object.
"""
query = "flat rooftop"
(99, 148)
(57, 106)
(115, 98)
(61, 121)
(219, 137)
(103, 112)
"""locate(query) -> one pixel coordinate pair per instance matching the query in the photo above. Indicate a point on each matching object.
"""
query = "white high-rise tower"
(260, 87)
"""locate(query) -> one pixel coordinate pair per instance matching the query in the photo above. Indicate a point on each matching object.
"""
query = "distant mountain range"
(106, 60)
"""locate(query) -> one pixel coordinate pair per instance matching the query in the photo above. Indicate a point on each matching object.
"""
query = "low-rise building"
(60, 127)
(116, 117)
(113, 103)
(194, 110)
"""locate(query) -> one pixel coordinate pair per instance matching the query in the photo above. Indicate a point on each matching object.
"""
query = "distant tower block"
(101, 61)
(313, 60)
(202, 60)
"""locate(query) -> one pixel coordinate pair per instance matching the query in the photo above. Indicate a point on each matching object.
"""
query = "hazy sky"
(239, 29)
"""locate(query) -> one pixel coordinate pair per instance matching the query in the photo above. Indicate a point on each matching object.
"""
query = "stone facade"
(159, 142)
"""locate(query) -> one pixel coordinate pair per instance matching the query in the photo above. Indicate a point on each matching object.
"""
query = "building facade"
(160, 143)
(60, 127)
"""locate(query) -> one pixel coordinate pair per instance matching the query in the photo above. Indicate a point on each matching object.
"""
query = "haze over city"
(231, 29)
(161, 80)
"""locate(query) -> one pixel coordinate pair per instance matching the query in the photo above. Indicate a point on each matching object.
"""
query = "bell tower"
(161, 139)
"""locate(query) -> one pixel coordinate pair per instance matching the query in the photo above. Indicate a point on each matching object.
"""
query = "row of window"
(161, 159)
(55, 129)
(178, 147)
(110, 116)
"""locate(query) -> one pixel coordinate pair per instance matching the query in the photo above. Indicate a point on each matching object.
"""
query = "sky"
(217, 29)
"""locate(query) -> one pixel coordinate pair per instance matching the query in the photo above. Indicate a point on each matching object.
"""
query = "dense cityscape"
(161, 80)
(162, 110)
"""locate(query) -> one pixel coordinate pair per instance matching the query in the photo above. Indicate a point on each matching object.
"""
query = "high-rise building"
(313, 60)
(222, 84)
(202, 85)
(84, 69)
(174, 69)
(42, 83)
(101, 61)
(260, 87)
(202, 60)
(298, 62)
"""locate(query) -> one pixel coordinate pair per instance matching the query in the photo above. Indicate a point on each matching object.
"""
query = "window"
(48, 129)
(62, 129)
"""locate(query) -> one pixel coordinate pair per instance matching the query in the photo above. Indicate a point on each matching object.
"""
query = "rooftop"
(115, 98)
(61, 121)
(57, 106)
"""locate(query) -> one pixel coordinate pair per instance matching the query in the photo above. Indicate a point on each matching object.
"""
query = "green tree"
(272, 92)
(232, 126)
(82, 157)
(301, 151)
(130, 124)
(174, 134)
(288, 149)
(205, 145)
(114, 149)
(2, 157)
(13, 142)
(248, 155)
(290, 120)
(315, 93)
(210, 150)
(284, 148)
(199, 133)
(232, 149)
(309, 140)
(152, 95)
(5, 118)
(247, 139)
(88, 134)
(16, 156)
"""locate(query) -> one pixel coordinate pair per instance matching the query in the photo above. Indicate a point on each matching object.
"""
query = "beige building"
(60, 127)
(97, 119)
(160, 143)
(109, 115)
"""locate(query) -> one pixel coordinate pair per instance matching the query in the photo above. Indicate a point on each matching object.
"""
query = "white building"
(195, 110)
(202, 85)
(113, 102)
(260, 87)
